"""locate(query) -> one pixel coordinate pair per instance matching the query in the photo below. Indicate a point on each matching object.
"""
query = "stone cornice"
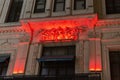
(14, 33)
(9, 30)
(60, 18)
(108, 23)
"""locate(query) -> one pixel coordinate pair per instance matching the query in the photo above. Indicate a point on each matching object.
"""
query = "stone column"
(21, 58)
(79, 61)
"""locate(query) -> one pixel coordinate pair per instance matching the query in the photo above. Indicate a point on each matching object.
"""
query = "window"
(4, 61)
(79, 4)
(56, 61)
(112, 6)
(59, 51)
(14, 11)
(57, 68)
(59, 5)
(40, 6)
(115, 65)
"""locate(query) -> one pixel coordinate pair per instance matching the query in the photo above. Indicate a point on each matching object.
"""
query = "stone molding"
(111, 35)
(111, 23)
(11, 30)
(94, 34)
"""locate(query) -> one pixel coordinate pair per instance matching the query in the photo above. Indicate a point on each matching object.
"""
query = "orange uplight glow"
(18, 72)
(19, 67)
(95, 64)
(93, 68)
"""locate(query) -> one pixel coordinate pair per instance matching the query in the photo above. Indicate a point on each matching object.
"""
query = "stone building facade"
(30, 30)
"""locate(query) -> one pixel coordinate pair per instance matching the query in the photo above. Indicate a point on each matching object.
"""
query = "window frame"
(57, 48)
(58, 2)
(105, 57)
(9, 12)
(46, 13)
(76, 5)
(114, 61)
(4, 65)
(108, 15)
(2, 2)
(66, 48)
(56, 66)
(44, 4)
(5, 12)
(62, 13)
(88, 8)
(113, 6)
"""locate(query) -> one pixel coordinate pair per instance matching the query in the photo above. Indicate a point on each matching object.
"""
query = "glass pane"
(59, 7)
(39, 6)
(4, 70)
(60, 1)
(54, 51)
(55, 68)
(112, 6)
(109, 6)
(115, 65)
(61, 52)
(40, 1)
(61, 71)
(14, 11)
(52, 71)
(4, 65)
(70, 71)
(17, 0)
(47, 53)
(71, 50)
(79, 4)
(117, 6)
(44, 71)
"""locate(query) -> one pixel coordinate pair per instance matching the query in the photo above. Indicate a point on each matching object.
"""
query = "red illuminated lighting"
(57, 30)
(59, 23)
(95, 64)
(94, 67)
(18, 72)
(58, 34)
(19, 67)
(63, 23)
